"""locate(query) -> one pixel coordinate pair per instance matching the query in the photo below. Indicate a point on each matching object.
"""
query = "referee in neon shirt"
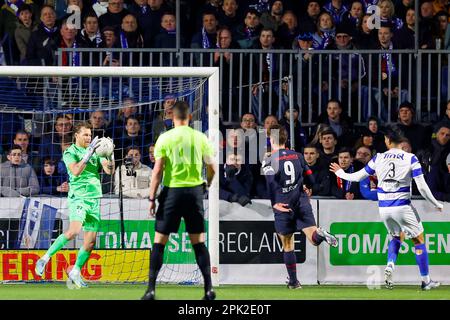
(180, 153)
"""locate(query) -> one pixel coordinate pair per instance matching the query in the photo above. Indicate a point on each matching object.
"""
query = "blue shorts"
(299, 218)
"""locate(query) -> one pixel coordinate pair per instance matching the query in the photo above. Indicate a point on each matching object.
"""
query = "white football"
(105, 148)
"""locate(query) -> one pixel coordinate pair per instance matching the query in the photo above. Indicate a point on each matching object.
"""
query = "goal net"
(39, 107)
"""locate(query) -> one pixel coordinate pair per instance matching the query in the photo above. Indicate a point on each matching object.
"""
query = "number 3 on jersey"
(289, 170)
(391, 173)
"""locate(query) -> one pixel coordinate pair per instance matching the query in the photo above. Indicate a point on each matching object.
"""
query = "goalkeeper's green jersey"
(87, 184)
(183, 149)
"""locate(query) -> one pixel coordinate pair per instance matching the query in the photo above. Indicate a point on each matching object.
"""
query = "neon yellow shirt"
(183, 149)
(87, 184)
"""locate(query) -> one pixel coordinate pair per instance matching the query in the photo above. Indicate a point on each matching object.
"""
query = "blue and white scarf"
(205, 40)
(391, 68)
(76, 55)
(49, 31)
(15, 6)
(123, 40)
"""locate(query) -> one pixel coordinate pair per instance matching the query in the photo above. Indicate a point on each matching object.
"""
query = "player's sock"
(393, 249)
(156, 261)
(291, 265)
(422, 261)
(82, 257)
(76, 269)
(316, 238)
(45, 257)
(203, 261)
(57, 245)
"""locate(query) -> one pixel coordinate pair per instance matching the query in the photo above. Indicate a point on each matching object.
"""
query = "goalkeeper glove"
(110, 158)
(91, 149)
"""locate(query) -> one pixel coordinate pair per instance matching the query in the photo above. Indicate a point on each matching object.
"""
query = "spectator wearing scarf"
(247, 33)
(68, 35)
(129, 37)
(45, 40)
(166, 38)
(206, 37)
(90, 37)
(326, 32)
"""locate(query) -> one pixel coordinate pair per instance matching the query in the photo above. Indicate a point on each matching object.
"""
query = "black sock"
(202, 257)
(156, 261)
(290, 261)
(317, 239)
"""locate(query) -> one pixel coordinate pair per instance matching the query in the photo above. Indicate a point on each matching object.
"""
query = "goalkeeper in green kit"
(83, 202)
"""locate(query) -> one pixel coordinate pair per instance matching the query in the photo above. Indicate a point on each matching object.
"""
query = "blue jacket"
(367, 193)
(49, 183)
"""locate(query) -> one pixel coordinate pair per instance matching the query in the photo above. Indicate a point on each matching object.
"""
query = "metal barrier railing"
(367, 82)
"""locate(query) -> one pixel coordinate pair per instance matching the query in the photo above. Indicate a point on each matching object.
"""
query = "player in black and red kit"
(285, 170)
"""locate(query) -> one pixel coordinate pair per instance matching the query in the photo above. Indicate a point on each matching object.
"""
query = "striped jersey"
(394, 169)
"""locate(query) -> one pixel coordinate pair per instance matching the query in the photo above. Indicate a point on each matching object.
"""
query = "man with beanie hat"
(309, 19)
(415, 132)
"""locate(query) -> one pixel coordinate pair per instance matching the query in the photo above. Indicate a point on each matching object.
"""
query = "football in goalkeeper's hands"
(105, 147)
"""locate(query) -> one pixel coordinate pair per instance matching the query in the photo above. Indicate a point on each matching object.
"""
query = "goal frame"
(212, 73)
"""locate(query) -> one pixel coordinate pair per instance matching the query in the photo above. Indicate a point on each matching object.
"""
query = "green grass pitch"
(59, 291)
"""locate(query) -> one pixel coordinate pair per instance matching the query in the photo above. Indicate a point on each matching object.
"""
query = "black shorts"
(177, 203)
(299, 218)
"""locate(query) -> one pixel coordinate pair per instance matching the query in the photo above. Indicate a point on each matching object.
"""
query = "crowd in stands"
(36, 29)
(32, 165)
(334, 139)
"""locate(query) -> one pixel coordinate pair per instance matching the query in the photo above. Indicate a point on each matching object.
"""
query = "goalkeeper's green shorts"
(87, 211)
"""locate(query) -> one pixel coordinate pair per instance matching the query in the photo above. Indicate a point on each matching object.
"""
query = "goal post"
(212, 76)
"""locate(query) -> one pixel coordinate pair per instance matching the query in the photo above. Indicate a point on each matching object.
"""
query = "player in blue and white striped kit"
(395, 169)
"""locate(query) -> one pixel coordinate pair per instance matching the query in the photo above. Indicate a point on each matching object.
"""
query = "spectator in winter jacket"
(319, 168)
(340, 188)
(17, 178)
(339, 121)
(434, 154)
(299, 131)
(50, 181)
(44, 41)
(235, 180)
(439, 180)
(24, 28)
(415, 132)
(90, 37)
